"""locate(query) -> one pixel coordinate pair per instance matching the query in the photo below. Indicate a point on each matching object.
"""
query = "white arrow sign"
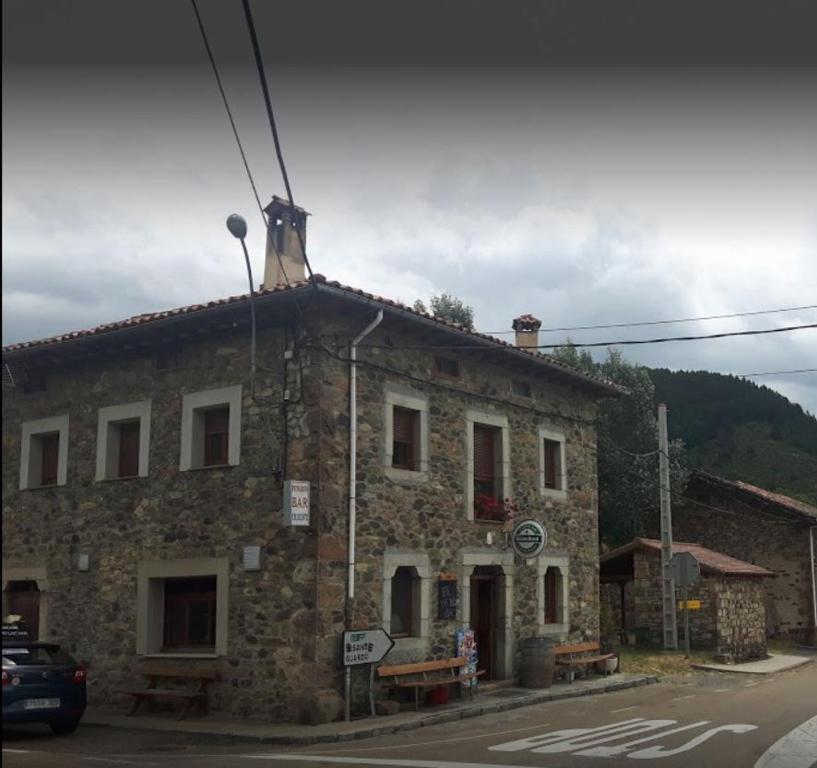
(366, 646)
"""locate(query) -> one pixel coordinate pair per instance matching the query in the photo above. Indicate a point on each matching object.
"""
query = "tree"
(450, 308)
(627, 449)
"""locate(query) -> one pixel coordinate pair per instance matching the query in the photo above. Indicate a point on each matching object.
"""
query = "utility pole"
(667, 586)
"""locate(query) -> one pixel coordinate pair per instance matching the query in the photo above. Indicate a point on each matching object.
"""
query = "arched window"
(404, 596)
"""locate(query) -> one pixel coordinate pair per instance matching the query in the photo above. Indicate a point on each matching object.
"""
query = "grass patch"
(651, 661)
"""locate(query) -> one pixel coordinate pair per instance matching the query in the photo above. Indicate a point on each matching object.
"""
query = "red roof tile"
(711, 561)
(321, 283)
(794, 505)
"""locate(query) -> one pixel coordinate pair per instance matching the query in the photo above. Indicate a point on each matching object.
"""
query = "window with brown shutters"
(128, 449)
(405, 429)
(216, 434)
(485, 440)
(190, 613)
(553, 464)
(50, 457)
(403, 584)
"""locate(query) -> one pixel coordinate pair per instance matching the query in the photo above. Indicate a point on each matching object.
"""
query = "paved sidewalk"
(777, 662)
(227, 729)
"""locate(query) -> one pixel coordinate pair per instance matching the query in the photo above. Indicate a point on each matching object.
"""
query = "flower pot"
(437, 696)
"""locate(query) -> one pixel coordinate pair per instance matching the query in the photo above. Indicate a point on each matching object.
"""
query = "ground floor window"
(404, 586)
(23, 600)
(553, 578)
(553, 594)
(190, 613)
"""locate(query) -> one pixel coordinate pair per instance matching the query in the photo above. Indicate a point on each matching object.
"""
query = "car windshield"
(35, 655)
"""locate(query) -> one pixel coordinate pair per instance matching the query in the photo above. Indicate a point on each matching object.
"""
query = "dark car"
(42, 684)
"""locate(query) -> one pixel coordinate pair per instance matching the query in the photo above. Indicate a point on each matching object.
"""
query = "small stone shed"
(731, 620)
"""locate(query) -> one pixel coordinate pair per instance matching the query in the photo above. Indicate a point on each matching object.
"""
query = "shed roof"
(711, 561)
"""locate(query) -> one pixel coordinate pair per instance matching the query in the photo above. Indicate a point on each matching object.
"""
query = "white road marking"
(684, 698)
(115, 761)
(749, 685)
(17, 751)
(624, 709)
(419, 744)
(621, 748)
(722, 690)
(651, 753)
(797, 749)
(378, 761)
(566, 734)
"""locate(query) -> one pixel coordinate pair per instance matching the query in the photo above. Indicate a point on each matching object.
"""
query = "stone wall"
(741, 618)
(765, 539)
(284, 622)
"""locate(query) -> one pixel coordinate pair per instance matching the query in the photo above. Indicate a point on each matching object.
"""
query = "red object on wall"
(438, 695)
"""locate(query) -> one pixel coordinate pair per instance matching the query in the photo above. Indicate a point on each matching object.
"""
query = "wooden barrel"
(536, 662)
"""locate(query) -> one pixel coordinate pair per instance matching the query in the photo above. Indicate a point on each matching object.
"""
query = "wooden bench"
(156, 672)
(578, 655)
(429, 674)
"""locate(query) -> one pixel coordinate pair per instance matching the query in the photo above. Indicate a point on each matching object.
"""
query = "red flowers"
(488, 508)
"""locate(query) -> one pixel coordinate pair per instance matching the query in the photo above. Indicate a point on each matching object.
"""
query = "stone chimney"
(283, 247)
(527, 331)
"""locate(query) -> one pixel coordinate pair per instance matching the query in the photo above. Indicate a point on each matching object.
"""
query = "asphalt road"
(728, 721)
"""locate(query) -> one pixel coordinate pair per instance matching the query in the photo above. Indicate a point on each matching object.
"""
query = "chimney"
(527, 332)
(283, 248)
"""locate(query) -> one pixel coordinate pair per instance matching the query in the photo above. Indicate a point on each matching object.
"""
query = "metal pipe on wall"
(350, 556)
(813, 582)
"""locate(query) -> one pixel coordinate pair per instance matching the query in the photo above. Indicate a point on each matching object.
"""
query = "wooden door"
(24, 599)
(483, 621)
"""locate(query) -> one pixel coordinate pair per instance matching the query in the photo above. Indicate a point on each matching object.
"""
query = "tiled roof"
(711, 561)
(323, 285)
(793, 505)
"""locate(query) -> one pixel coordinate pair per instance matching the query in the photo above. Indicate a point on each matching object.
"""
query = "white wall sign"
(529, 538)
(296, 502)
(365, 646)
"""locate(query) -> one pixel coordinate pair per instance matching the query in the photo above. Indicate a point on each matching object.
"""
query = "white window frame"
(192, 442)
(549, 433)
(489, 420)
(29, 463)
(150, 602)
(414, 401)
(107, 442)
(560, 629)
(421, 610)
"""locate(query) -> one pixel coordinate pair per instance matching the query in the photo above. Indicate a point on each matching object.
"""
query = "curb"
(375, 730)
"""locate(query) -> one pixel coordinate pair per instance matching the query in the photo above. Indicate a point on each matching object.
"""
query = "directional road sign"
(365, 646)
(685, 568)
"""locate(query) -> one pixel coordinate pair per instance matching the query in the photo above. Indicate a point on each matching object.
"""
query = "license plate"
(41, 704)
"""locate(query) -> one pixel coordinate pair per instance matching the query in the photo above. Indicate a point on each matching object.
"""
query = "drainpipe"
(350, 558)
(813, 583)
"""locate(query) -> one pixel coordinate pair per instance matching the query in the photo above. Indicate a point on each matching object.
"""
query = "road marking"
(722, 690)
(621, 748)
(17, 751)
(418, 744)
(377, 761)
(624, 709)
(116, 761)
(797, 749)
(749, 685)
(684, 698)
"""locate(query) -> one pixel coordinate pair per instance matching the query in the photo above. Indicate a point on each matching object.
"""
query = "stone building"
(143, 486)
(731, 619)
(765, 528)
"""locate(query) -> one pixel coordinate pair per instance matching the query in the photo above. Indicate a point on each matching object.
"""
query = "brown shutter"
(551, 596)
(216, 432)
(551, 464)
(404, 431)
(129, 449)
(484, 438)
(50, 445)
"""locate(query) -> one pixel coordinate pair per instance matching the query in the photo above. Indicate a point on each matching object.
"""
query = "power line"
(665, 322)
(229, 111)
(776, 373)
(621, 342)
(259, 63)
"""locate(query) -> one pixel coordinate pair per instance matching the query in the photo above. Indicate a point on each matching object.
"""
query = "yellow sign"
(692, 605)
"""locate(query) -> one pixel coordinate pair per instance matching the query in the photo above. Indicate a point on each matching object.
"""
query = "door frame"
(29, 573)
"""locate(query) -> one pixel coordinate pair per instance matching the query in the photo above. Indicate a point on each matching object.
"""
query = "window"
(552, 594)
(488, 480)
(49, 447)
(447, 366)
(521, 388)
(403, 587)
(406, 599)
(552, 471)
(182, 607)
(190, 613)
(405, 426)
(405, 446)
(123, 441)
(552, 578)
(44, 453)
(211, 428)
(216, 434)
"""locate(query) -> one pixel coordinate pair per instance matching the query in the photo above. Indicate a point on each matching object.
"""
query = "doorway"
(24, 600)
(485, 582)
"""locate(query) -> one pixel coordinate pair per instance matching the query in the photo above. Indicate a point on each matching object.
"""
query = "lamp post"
(238, 228)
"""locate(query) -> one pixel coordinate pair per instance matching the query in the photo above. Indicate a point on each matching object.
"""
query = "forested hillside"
(742, 431)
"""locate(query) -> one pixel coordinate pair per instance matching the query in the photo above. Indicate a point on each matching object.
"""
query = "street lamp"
(238, 228)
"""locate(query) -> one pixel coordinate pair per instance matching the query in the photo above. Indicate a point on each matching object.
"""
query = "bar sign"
(296, 502)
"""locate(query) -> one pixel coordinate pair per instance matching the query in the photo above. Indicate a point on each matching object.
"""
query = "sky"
(588, 163)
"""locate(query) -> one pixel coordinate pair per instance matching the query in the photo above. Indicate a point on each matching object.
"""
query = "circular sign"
(528, 538)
